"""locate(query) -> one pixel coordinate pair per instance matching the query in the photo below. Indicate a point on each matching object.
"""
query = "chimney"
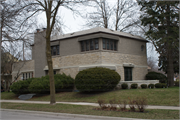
(37, 30)
(44, 29)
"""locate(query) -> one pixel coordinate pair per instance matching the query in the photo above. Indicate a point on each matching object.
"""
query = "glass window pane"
(87, 45)
(107, 44)
(96, 44)
(111, 44)
(104, 44)
(54, 50)
(115, 45)
(82, 46)
(57, 49)
(92, 44)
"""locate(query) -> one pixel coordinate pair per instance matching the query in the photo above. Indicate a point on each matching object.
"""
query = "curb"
(39, 113)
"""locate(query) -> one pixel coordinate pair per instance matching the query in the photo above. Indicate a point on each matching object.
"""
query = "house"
(6, 68)
(97, 47)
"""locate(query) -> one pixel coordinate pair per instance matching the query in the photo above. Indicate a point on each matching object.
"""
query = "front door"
(128, 73)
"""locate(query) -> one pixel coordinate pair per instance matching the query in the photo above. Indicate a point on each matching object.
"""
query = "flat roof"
(97, 30)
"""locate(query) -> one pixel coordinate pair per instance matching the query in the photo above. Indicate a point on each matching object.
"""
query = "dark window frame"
(90, 44)
(56, 48)
(109, 44)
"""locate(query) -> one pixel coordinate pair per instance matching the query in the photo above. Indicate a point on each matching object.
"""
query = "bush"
(62, 83)
(151, 86)
(134, 86)
(158, 85)
(176, 83)
(143, 86)
(156, 76)
(39, 85)
(21, 87)
(96, 79)
(124, 86)
(164, 85)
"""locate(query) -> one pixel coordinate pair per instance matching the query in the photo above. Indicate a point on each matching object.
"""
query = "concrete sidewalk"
(91, 104)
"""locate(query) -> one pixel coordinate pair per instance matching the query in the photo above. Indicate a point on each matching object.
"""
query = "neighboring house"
(97, 47)
(6, 68)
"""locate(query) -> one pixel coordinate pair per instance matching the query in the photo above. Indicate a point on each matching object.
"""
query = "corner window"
(91, 44)
(109, 44)
(55, 50)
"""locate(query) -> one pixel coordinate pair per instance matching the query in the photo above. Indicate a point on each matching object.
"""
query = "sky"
(74, 23)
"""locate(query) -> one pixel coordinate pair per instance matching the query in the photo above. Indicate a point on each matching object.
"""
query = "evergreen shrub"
(158, 85)
(21, 86)
(134, 86)
(143, 86)
(156, 76)
(124, 86)
(63, 83)
(151, 86)
(96, 79)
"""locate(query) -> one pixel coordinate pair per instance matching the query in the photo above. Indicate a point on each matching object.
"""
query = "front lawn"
(88, 110)
(159, 96)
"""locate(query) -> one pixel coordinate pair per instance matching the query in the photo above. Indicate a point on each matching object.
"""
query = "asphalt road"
(31, 115)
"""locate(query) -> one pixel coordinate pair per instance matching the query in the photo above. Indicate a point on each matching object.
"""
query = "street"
(21, 115)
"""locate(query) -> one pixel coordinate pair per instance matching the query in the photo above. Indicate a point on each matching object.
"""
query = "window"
(92, 44)
(109, 44)
(142, 47)
(55, 50)
(54, 71)
(27, 75)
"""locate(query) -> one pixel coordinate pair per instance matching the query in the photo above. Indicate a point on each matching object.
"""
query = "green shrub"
(151, 86)
(40, 86)
(156, 76)
(164, 85)
(62, 83)
(143, 86)
(134, 86)
(21, 87)
(158, 85)
(176, 83)
(124, 86)
(96, 79)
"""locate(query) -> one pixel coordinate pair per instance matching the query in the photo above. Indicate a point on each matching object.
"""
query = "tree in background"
(122, 16)
(162, 20)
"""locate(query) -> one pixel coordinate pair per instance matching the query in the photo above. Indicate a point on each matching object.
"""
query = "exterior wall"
(39, 54)
(22, 67)
(72, 46)
(72, 64)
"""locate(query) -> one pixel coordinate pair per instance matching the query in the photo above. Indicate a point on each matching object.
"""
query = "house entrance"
(128, 73)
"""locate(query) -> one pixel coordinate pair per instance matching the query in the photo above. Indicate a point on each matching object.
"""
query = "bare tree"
(152, 63)
(51, 8)
(121, 16)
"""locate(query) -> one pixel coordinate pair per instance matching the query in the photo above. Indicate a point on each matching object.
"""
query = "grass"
(161, 96)
(88, 110)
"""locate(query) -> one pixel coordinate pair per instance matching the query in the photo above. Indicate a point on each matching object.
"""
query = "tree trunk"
(51, 74)
(170, 69)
